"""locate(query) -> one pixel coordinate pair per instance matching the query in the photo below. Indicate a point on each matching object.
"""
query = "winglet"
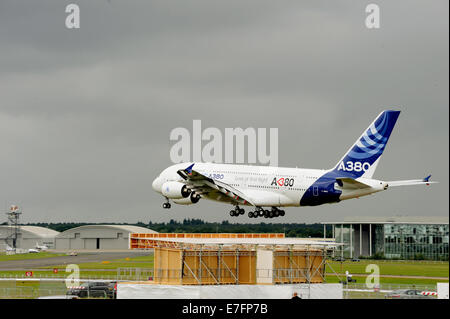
(189, 169)
(427, 179)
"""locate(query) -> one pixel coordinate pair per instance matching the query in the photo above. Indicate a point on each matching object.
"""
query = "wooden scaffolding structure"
(222, 259)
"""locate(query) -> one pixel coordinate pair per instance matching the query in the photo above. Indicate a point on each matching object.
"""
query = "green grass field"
(106, 269)
(135, 262)
(4, 257)
(387, 280)
(395, 268)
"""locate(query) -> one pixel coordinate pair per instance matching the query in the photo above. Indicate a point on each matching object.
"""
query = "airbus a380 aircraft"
(264, 187)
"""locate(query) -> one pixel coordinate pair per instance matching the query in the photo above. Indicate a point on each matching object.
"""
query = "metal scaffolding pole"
(200, 264)
(308, 266)
(218, 263)
(237, 266)
(351, 240)
(290, 264)
(360, 239)
(182, 264)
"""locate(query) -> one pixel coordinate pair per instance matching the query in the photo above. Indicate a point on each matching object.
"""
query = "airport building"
(26, 237)
(97, 237)
(391, 238)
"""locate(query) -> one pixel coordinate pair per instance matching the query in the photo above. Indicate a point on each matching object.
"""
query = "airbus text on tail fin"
(362, 158)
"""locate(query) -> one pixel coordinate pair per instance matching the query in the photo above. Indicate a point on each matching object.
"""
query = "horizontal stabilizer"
(424, 181)
(348, 182)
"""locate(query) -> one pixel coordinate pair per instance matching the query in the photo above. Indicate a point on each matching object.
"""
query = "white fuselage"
(266, 186)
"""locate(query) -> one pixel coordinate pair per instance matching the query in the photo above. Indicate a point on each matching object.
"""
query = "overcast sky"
(85, 114)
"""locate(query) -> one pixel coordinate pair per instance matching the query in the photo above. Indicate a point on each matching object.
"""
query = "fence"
(361, 291)
(350, 291)
(135, 274)
(46, 284)
(406, 261)
(36, 275)
(21, 289)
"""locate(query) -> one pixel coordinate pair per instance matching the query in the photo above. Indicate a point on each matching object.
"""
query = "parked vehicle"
(113, 284)
(94, 290)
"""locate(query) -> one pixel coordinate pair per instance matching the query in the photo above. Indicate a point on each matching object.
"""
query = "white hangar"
(97, 237)
(27, 236)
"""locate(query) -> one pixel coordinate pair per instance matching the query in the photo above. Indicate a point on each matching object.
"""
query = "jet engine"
(193, 199)
(175, 190)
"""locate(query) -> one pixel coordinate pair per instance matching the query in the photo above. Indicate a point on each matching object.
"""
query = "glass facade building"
(391, 240)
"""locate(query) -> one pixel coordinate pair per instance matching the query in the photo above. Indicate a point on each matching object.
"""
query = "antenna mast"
(13, 216)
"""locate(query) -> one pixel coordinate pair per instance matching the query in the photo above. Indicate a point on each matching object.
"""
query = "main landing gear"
(260, 212)
(237, 211)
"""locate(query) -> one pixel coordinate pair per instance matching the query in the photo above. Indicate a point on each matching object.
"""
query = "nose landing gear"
(166, 205)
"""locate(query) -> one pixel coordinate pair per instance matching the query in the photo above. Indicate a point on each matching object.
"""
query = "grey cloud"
(85, 115)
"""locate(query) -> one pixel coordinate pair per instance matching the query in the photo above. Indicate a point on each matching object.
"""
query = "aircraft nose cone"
(156, 185)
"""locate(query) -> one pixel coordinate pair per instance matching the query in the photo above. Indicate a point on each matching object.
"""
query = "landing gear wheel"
(241, 211)
(281, 213)
(232, 213)
(250, 214)
(166, 205)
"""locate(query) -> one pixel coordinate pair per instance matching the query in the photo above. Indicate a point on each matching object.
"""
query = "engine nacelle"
(175, 190)
(193, 199)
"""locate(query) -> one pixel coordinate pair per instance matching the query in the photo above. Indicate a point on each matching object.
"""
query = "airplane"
(264, 187)
(40, 247)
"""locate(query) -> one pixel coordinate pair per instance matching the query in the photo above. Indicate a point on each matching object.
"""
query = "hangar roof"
(31, 230)
(125, 228)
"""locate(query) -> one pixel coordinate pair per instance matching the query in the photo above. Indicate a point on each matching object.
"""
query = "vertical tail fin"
(362, 158)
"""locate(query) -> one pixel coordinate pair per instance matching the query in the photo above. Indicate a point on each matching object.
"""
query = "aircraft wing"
(424, 181)
(202, 184)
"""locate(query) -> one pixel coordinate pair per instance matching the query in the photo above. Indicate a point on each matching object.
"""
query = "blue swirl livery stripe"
(372, 143)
